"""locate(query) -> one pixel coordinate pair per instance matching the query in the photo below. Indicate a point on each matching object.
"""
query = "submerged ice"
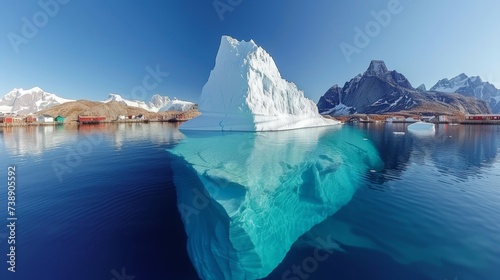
(245, 198)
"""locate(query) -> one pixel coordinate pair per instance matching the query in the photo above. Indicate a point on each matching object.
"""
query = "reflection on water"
(107, 202)
(461, 151)
(35, 140)
(432, 209)
(438, 210)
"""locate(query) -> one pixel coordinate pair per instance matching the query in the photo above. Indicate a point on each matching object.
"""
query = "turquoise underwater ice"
(245, 198)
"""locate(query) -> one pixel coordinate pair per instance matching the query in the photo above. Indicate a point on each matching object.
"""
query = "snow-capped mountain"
(177, 105)
(245, 92)
(135, 103)
(473, 87)
(379, 91)
(157, 103)
(30, 101)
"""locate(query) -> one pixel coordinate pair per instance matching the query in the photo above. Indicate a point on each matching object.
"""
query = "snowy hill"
(245, 92)
(380, 91)
(157, 103)
(473, 87)
(134, 103)
(31, 101)
(24, 102)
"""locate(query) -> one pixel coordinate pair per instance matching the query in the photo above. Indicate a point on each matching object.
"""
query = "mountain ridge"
(379, 90)
(25, 102)
(472, 86)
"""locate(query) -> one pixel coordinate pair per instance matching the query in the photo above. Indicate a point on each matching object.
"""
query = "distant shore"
(72, 123)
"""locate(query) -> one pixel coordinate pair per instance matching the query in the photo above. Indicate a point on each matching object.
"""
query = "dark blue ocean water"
(99, 202)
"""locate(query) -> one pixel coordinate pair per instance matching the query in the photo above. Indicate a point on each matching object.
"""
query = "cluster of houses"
(131, 117)
(41, 119)
(483, 118)
(471, 119)
(429, 118)
(12, 119)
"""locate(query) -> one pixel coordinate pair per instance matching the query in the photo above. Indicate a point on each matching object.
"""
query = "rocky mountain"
(379, 90)
(422, 87)
(473, 87)
(30, 101)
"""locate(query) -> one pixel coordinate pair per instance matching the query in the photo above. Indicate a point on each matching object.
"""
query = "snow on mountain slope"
(379, 91)
(377, 68)
(473, 87)
(134, 103)
(157, 103)
(245, 92)
(177, 105)
(452, 85)
(24, 102)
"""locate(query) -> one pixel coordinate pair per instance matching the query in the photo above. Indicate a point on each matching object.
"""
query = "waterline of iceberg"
(245, 198)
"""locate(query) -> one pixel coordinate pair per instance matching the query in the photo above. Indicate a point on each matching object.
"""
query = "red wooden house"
(6, 119)
(30, 119)
(90, 119)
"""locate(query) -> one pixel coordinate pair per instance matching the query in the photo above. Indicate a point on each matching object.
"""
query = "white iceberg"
(245, 92)
(245, 198)
(422, 128)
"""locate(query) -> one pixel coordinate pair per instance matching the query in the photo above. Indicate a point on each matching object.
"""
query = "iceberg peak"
(245, 92)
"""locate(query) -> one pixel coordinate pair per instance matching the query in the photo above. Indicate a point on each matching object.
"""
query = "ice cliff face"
(245, 92)
(245, 198)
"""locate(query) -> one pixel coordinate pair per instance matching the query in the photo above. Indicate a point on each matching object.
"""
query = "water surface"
(431, 213)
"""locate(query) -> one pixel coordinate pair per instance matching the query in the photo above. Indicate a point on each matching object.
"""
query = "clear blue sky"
(88, 49)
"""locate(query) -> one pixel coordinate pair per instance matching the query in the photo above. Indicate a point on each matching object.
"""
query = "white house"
(45, 118)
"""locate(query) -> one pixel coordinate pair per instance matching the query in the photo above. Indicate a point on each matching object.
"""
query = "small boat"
(399, 133)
